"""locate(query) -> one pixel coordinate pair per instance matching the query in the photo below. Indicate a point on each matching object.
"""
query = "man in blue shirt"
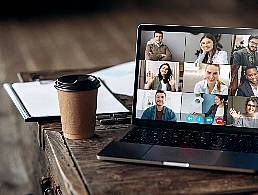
(159, 111)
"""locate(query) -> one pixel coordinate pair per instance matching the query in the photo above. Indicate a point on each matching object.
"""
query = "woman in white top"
(209, 54)
(211, 83)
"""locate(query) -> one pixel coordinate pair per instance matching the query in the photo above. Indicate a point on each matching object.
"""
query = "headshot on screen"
(167, 46)
(206, 78)
(209, 53)
(249, 83)
(159, 111)
(243, 55)
(214, 108)
(162, 75)
(208, 48)
(243, 111)
(156, 50)
(149, 101)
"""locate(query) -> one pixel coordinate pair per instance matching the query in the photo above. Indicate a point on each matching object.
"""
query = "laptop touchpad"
(182, 155)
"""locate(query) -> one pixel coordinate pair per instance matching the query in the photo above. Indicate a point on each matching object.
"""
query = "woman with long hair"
(164, 81)
(209, 53)
(217, 110)
(211, 84)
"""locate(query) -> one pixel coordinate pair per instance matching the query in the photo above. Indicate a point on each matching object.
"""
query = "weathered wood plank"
(62, 168)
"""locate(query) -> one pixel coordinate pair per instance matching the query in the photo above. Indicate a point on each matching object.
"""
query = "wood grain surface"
(61, 167)
(104, 177)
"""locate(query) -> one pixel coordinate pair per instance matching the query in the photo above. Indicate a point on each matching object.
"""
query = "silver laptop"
(195, 99)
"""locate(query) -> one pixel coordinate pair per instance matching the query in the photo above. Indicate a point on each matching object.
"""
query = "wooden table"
(74, 169)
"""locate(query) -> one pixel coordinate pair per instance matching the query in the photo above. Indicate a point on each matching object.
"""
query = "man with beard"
(249, 86)
(244, 57)
(156, 49)
(247, 56)
(159, 111)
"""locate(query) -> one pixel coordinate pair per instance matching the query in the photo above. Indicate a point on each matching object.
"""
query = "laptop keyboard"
(193, 139)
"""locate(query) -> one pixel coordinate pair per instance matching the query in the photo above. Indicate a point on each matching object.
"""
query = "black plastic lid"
(81, 82)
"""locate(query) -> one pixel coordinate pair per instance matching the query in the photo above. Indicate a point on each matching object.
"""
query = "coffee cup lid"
(78, 82)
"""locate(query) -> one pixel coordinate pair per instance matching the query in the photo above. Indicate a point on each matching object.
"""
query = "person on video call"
(211, 83)
(159, 111)
(164, 80)
(249, 85)
(244, 57)
(209, 54)
(156, 49)
(218, 109)
(248, 55)
(247, 119)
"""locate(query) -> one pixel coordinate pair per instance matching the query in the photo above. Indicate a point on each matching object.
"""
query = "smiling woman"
(209, 52)
(211, 84)
(164, 80)
(249, 118)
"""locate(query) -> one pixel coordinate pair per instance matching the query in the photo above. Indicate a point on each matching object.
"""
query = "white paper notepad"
(39, 99)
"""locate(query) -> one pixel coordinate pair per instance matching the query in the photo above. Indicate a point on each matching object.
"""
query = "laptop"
(187, 107)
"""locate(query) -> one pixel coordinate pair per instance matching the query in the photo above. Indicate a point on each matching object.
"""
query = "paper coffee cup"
(77, 97)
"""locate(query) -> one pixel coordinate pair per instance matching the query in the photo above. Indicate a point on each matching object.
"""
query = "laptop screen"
(196, 75)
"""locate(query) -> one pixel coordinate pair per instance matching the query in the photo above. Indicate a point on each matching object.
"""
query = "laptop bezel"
(187, 29)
